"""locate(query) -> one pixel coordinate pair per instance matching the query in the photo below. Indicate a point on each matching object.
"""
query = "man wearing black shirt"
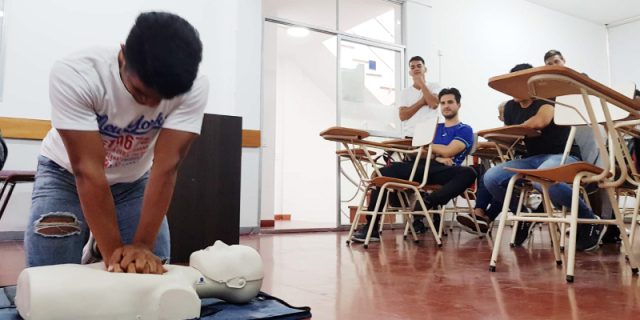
(544, 151)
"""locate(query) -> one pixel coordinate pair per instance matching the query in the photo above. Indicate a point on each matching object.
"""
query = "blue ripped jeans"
(61, 239)
(497, 179)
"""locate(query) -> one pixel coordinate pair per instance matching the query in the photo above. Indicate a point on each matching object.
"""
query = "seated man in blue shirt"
(451, 145)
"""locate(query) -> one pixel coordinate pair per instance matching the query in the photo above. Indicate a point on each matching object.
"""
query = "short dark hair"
(552, 53)
(455, 92)
(164, 51)
(636, 93)
(416, 58)
(522, 66)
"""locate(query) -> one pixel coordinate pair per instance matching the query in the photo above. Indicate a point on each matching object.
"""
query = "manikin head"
(449, 102)
(235, 280)
(554, 58)
(160, 58)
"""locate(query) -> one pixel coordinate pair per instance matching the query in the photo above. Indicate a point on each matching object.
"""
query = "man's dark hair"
(552, 53)
(522, 66)
(416, 58)
(636, 93)
(164, 51)
(455, 92)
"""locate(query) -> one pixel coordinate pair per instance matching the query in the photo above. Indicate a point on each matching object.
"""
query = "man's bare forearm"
(99, 211)
(407, 112)
(429, 98)
(448, 151)
(157, 198)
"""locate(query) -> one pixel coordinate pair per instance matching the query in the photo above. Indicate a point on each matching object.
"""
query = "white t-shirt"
(409, 96)
(87, 94)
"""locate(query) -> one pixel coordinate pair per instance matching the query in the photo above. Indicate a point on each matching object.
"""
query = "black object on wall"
(206, 201)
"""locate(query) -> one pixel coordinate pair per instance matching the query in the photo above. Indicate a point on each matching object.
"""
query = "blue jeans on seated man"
(486, 202)
(60, 238)
(497, 179)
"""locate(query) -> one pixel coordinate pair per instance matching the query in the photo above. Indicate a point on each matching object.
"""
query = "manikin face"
(239, 261)
(417, 68)
(448, 106)
(138, 90)
(555, 60)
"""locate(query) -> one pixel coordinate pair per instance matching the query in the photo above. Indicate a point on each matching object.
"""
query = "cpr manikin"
(70, 291)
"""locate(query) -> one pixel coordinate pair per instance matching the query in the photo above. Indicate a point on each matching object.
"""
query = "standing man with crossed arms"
(418, 103)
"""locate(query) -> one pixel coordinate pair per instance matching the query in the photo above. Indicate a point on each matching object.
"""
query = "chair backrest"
(474, 146)
(423, 135)
(570, 110)
(424, 132)
(585, 140)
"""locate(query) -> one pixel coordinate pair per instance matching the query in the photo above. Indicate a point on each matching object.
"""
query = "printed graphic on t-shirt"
(124, 146)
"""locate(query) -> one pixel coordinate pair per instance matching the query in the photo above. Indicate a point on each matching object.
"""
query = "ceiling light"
(298, 32)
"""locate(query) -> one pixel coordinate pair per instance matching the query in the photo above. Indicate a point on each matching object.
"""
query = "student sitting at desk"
(451, 145)
(544, 151)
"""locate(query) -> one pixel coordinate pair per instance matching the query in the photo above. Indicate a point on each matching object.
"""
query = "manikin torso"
(70, 291)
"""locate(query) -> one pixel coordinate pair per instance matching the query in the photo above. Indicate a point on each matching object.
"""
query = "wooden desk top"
(488, 150)
(555, 81)
(343, 133)
(508, 134)
(17, 175)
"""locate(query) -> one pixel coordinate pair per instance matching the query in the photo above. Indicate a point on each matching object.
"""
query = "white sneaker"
(90, 252)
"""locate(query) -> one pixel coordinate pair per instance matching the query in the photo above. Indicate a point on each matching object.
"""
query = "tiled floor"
(397, 279)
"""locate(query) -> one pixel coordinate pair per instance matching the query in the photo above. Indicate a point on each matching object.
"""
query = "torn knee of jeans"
(57, 224)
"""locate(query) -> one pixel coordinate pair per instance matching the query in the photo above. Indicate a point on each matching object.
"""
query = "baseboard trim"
(270, 223)
(282, 217)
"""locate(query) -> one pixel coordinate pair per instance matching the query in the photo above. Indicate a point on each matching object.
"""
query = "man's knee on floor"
(57, 225)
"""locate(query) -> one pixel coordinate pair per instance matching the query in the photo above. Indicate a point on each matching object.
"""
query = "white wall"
(481, 39)
(39, 32)
(623, 49)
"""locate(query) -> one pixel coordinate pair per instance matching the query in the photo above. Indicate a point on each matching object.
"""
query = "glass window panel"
(369, 85)
(375, 19)
(321, 13)
(299, 101)
(370, 78)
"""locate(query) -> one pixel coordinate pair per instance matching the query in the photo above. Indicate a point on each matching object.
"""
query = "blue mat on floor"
(263, 306)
